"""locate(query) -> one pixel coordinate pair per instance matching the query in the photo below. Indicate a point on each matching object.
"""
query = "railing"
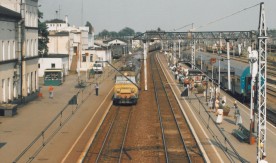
(229, 151)
(67, 112)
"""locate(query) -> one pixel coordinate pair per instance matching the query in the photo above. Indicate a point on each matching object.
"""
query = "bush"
(226, 108)
(200, 89)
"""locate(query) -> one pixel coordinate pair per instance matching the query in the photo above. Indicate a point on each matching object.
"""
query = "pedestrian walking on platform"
(219, 116)
(263, 160)
(237, 116)
(51, 91)
(175, 74)
(210, 104)
(97, 89)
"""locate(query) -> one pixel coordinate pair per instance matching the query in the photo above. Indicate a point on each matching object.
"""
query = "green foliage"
(226, 108)
(42, 36)
(126, 32)
(91, 29)
(122, 33)
(200, 88)
(104, 33)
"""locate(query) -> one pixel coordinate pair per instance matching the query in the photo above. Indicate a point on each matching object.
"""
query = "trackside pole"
(228, 58)
(145, 65)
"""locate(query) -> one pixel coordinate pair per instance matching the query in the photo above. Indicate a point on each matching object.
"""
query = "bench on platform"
(242, 134)
(8, 110)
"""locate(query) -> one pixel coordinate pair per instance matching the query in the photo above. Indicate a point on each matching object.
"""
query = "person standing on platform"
(238, 118)
(210, 104)
(216, 105)
(263, 160)
(51, 91)
(219, 116)
(97, 89)
(175, 74)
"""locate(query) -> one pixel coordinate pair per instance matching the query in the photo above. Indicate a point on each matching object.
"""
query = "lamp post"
(179, 46)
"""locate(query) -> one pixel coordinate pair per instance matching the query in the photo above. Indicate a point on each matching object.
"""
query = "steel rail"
(173, 113)
(159, 114)
(114, 120)
(125, 133)
(189, 127)
(106, 136)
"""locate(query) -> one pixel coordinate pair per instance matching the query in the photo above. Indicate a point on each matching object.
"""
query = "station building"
(18, 50)
(75, 42)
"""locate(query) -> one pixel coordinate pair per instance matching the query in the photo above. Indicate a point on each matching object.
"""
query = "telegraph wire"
(222, 18)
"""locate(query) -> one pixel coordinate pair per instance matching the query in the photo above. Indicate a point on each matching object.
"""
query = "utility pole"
(228, 58)
(193, 54)
(253, 60)
(145, 64)
(179, 47)
(262, 66)
(174, 52)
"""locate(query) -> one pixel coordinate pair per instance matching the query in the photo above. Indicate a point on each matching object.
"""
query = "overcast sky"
(142, 15)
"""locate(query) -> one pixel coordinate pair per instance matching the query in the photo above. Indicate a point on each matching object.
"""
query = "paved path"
(17, 132)
(212, 137)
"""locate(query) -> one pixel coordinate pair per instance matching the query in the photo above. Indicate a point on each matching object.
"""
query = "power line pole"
(261, 145)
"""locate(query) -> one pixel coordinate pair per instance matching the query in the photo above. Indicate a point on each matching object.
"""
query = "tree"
(91, 29)
(42, 36)
(126, 32)
(138, 33)
(113, 34)
(104, 33)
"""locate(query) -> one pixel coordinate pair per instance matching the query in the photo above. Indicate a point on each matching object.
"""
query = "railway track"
(271, 116)
(178, 140)
(109, 143)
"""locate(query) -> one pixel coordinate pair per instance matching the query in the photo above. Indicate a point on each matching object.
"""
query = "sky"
(143, 15)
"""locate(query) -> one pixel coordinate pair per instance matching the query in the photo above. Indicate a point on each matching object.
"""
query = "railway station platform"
(19, 131)
(218, 140)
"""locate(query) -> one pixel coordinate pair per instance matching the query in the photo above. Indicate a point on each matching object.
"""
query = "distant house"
(116, 42)
(101, 52)
(71, 40)
(57, 24)
(53, 61)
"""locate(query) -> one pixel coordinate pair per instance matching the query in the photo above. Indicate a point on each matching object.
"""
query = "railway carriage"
(117, 51)
(240, 74)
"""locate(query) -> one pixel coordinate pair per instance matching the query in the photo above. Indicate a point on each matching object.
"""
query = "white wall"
(58, 45)
(56, 26)
(45, 63)
(8, 42)
(11, 4)
(6, 88)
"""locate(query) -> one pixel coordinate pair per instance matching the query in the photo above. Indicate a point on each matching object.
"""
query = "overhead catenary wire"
(217, 20)
(227, 16)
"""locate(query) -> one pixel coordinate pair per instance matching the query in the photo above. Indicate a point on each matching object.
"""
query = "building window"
(27, 49)
(35, 53)
(13, 49)
(91, 57)
(75, 49)
(31, 48)
(53, 65)
(3, 50)
(3, 90)
(39, 65)
(83, 58)
(9, 50)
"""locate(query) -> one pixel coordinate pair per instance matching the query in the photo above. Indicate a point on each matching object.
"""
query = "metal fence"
(85, 89)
